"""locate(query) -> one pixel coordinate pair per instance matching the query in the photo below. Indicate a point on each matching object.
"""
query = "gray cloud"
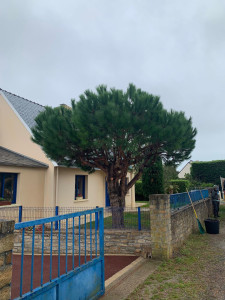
(51, 51)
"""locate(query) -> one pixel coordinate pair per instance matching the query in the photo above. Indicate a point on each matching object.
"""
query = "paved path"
(123, 283)
(216, 267)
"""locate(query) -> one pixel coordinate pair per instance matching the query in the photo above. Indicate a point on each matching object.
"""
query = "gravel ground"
(214, 272)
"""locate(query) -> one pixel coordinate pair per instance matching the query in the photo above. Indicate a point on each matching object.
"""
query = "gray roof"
(27, 109)
(11, 158)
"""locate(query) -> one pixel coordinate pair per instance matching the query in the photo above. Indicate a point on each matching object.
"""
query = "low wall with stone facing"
(6, 246)
(170, 229)
(183, 221)
(115, 242)
(127, 242)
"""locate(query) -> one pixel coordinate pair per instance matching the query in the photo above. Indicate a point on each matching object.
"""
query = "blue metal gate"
(78, 236)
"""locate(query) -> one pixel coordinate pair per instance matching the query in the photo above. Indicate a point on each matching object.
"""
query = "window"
(80, 187)
(8, 187)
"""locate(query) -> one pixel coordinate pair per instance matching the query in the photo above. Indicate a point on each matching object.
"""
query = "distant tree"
(114, 131)
(152, 179)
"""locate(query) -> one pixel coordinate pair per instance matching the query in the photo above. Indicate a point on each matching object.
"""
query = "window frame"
(14, 189)
(77, 178)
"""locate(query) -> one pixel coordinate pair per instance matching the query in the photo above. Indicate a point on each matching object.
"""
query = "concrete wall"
(6, 246)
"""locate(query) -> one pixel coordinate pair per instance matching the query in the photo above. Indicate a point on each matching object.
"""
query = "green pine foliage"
(209, 171)
(114, 131)
(152, 179)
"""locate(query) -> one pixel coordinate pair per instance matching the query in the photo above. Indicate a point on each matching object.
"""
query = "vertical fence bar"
(42, 253)
(96, 220)
(79, 241)
(56, 213)
(59, 248)
(66, 243)
(91, 236)
(73, 245)
(85, 238)
(101, 242)
(139, 218)
(20, 213)
(96, 230)
(21, 270)
(50, 275)
(32, 260)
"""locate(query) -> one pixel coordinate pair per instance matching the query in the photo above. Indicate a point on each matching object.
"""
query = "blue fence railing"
(76, 245)
(181, 199)
(137, 218)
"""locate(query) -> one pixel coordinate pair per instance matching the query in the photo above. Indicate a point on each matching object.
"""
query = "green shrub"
(152, 179)
(182, 184)
(139, 191)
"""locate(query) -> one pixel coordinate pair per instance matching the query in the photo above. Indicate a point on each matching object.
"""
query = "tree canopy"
(114, 130)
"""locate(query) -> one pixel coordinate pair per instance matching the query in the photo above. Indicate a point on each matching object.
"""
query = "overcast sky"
(52, 51)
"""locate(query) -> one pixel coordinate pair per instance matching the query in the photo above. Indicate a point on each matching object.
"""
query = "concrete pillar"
(6, 246)
(160, 224)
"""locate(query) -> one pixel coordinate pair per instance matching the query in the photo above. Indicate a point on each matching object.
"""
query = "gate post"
(20, 213)
(160, 224)
(6, 246)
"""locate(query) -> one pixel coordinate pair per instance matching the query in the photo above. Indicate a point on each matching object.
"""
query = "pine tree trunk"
(117, 206)
(117, 217)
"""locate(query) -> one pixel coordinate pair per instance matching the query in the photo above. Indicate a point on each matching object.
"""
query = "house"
(29, 178)
(186, 170)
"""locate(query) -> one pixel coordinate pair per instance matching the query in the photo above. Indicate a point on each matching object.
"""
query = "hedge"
(182, 185)
(139, 191)
(209, 171)
(152, 179)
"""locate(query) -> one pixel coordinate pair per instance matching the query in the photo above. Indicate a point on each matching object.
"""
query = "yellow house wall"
(94, 192)
(94, 189)
(130, 196)
(30, 185)
(15, 136)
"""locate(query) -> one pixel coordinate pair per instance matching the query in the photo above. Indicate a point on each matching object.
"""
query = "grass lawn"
(145, 203)
(130, 221)
(186, 276)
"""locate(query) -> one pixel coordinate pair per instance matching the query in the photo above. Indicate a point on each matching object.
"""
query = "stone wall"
(183, 221)
(160, 222)
(170, 229)
(127, 242)
(115, 242)
(6, 246)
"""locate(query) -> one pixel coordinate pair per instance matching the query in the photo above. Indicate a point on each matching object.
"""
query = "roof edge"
(16, 113)
(27, 157)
